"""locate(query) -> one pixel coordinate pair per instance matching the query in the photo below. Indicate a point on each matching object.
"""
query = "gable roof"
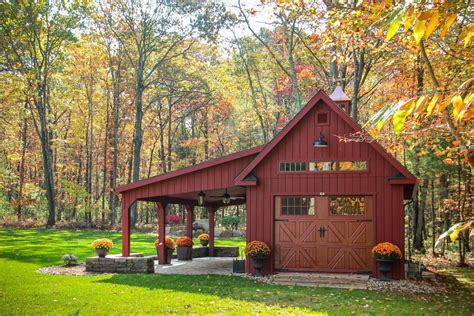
(242, 179)
(190, 169)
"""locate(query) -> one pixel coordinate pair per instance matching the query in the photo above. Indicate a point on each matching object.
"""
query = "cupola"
(341, 99)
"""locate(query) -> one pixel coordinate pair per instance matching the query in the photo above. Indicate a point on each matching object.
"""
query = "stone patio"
(204, 265)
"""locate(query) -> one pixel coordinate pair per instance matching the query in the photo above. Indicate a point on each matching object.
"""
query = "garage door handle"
(280, 220)
(322, 232)
(364, 220)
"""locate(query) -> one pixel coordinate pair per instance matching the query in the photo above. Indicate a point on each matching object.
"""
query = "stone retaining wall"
(220, 251)
(117, 264)
(137, 263)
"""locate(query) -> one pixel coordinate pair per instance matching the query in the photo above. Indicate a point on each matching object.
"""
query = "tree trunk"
(24, 144)
(138, 135)
(359, 65)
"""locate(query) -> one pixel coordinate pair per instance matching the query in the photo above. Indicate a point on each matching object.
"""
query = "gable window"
(292, 166)
(322, 118)
(322, 166)
(295, 205)
(353, 165)
(347, 205)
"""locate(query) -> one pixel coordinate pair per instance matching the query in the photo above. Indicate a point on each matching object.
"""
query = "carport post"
(126, 203)
(161, 209)
(211, 211)
(189, 220)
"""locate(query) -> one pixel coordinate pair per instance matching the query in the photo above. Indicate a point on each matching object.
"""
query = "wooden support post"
(126, 204)
(161, 209)
(211, 211)
(189, 221)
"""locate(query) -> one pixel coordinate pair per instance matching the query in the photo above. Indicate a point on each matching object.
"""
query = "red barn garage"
(320, 203)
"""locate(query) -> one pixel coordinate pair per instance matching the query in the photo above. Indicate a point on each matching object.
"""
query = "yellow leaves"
(457, 106)
(434, 100)
(419, 30)
(399, 120)
(467, 34)
(434, 20)
(454, 235)
(447, 24)
(394, 27)
(409, 18)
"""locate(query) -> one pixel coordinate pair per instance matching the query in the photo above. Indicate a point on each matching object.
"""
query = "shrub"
(70, 259)
(169, 243)
(386, 250)
(184, 241)
(203, 237)
(231, 222)
(102, 244)
(257, 248)
(173, 219)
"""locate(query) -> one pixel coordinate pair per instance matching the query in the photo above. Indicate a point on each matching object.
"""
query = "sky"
(262, 18)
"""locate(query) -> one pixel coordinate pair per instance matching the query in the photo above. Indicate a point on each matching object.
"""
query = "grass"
(23, 291)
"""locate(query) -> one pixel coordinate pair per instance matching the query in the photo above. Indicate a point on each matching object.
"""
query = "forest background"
(95, 94)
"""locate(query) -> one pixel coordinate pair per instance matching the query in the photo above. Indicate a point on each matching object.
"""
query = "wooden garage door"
(330, 233)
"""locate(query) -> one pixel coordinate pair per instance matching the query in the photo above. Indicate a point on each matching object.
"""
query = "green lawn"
(23, 291)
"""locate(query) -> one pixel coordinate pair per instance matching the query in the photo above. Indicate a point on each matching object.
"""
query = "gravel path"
(406, 287)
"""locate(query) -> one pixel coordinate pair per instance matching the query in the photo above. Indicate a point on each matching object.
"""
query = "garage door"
(326, 234)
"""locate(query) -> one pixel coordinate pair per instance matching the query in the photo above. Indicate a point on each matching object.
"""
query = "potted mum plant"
(386, 253)
(204, 239)
(102, 246)
(259, 252)
(169, 248)
(185, 248)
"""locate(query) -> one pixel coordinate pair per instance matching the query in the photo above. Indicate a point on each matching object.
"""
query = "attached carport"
(211, 180)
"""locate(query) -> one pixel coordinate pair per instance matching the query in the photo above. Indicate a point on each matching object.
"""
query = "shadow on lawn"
(238, 288)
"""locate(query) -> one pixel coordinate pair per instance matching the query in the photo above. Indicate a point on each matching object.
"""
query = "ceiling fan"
(226, 198)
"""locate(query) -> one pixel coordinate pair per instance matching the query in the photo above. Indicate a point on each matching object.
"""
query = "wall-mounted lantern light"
(321, 142)
(201, 197)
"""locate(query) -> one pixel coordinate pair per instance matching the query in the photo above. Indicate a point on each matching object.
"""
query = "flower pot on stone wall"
(102, 252)
(185, 252)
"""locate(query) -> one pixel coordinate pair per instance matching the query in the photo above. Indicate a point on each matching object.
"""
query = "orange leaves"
(434, 20)
(313, 37)
(447, 24)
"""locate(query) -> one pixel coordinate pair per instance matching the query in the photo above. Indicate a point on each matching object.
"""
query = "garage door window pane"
(347, 205)
(297, 205)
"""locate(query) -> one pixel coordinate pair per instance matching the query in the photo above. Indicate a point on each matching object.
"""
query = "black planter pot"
(385, 266)
(169, 255)
(185, 253)
(204, 242)
(238, 266)
(258, 263)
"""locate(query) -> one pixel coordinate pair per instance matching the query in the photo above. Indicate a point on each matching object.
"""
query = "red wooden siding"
(298, 146)
(215, 177)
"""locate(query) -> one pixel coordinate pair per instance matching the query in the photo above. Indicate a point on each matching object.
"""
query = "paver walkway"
(205, 265)
(335, 280)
